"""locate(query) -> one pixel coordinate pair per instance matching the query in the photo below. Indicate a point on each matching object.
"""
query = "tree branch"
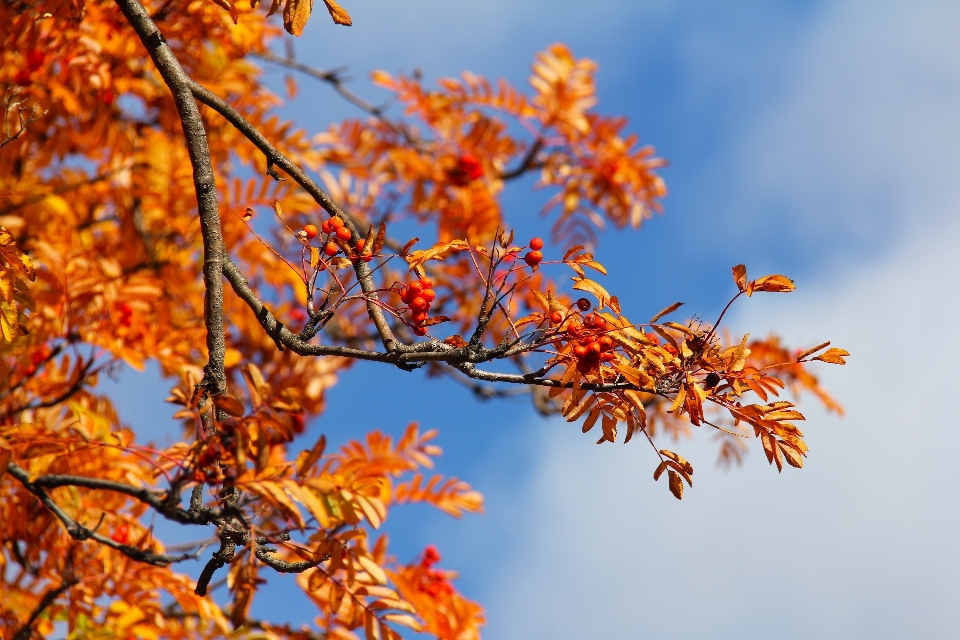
(79, 532)
(26, 629)
(203, 181)
(275, 157)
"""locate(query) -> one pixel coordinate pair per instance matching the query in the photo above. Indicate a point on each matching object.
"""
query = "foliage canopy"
(142, 166)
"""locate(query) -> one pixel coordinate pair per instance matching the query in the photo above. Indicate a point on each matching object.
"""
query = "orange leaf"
(740, 277)
(676, 484)
(229, 404)
(295, 16)
(774, 283)
(833, 356)
(338, 13)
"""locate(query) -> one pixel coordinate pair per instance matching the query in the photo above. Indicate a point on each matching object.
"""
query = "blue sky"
(819, 140)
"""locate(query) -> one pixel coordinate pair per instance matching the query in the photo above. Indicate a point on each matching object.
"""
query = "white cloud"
(860, 543)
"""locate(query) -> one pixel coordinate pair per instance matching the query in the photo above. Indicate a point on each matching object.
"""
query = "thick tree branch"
(203, 180)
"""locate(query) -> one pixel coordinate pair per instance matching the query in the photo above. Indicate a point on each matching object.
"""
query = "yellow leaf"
(405, 620)
(670, 309)
(791, 455)
(739, 359)
(437, 252)
(740, 277)
(585, 284)
(373, 569)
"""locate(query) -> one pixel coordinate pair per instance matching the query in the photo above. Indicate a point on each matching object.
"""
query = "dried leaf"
(229, 405)
(585, 284)
(740, 277)
(381, 238)
(438, 251)
(812, 350)
(676, 484)
(338, 13)
(295, 16)
(774, 283)
(670, 309)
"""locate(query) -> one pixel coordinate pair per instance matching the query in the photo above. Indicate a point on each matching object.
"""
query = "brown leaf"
(455, 341)
(670, 309)
(774, 283)
(229, 405)
(338, 13)
(676, 484)
(429, 322)
(406, 247)
(295, 16)
(812, 350)
(306, 459)
(740, 277)
(381, 238)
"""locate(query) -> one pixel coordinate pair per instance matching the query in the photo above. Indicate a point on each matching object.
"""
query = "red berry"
(420, 331)
(335, 223)
(585, 365)
(428, 294)
(427, 283)
(533, 258)
(430, 556)
(574, 329)
(418, 304)
(416, 287)
(361, 243)
(121, 534)
(326, 227)
(310, 231)
(556, 317)
(126, 321)
(406, 295)
(419, 318)
(366, 258)
(580, 352)
(331, 249)
(606, 356)
(594, 349)
(606, 343)
(583, 304)
(126, 309)
(536, 244)
(343, 233)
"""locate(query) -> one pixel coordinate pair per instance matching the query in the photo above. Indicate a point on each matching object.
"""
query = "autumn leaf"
(775, 283)
(667, 311)
(740, 277)
(833, 356)
(438, 251)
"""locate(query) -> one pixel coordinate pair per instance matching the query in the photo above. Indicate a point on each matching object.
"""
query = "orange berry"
(574, 329)
(585, 365)
(326, 227)
(335, 223)
(416, 287)
(427, 283)
(361, 243)
(428, 294)
(580, 352)
(419, 318)
(536, 244)
(420, 331)
(331, 249)
(533, 258)
(606, 356)
(366, 258)
(556, 317)
(418, 304)
(606, 342)
(406, 295)
(344, 234)
(310, 231)
(595, 348)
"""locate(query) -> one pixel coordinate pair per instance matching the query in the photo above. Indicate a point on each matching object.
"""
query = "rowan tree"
(155, 208)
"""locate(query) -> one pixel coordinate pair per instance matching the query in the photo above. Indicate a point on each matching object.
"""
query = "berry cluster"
(418, 295)
(126, 314)
(534, 256)
(334, 230)
(121, 534)
(433, 582)
(467, 169)
(593, 345)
